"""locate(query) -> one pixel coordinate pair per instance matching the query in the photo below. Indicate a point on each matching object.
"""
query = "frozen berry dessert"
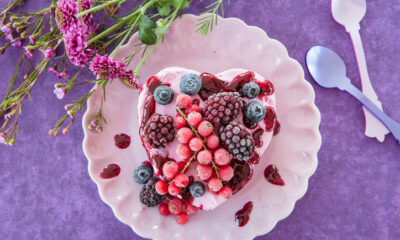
(204, 134)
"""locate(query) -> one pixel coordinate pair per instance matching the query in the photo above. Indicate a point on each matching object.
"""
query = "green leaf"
(164, 10)
(146, 31)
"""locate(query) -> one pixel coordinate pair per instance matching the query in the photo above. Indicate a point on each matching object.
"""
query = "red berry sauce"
(269, 120)
(212, 84)
(255, 159)
(153, 82)
(257, 136)
(148, 111)
(277, 128)
(266, 88)
(122, 140)
(242, 174)
(272, 175)
(242, 216)
(110, 171)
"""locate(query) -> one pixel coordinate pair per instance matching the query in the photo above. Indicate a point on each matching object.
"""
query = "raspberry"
(148, 195)
(222, 108)
(204, 157)
(225, 192)
(204, 172)
(173, 189)
(162, 187)
(205, 128)
(193, 108)
(179, 122)
(190, 208)
(214, 184)
(196, 144)
(184, 135)
(225, 173)
(181, 180)
(159, 130)
(183, 151)
(237, 140)
(222, 157)
(175, 206)
(212, 142)
(183, 100)
(164, 209)
(182, 218)
(170, 169)
(194, 118)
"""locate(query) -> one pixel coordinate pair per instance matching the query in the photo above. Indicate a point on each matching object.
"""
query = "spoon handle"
(392, 125)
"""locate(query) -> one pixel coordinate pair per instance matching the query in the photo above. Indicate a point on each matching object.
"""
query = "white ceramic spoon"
(349, 13)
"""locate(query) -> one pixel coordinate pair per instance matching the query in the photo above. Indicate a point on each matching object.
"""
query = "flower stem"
(98, 8)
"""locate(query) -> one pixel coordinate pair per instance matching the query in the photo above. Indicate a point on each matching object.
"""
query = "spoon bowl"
(326, 67)
(348, 12)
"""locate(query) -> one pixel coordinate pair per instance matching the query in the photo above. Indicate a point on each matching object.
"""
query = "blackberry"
(237, 140)
(222, 108)
(159, 130)
(149, 195)
(163, 95)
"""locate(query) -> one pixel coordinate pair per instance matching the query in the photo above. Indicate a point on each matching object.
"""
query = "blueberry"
(142, 174)
(163, 95)
(251, 90)
(190, 84)
(255, 111)
(197, 189)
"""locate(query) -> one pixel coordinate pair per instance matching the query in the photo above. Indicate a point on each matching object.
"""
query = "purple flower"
(75, 44)
(130, 80)
(65, 14)
(49, 53)
(59, 92)
(17, 43)
(93, 123)
(32, 40)
(6, 29)
(84, 5)
(28, 52)
(63, 75)
(105, 67)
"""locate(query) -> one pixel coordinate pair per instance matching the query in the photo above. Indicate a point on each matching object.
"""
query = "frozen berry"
(251, 90)
(197, 189)
(142, 174)
(183, 100)
(190, 84)
(214, 184)
(205, 128)
(183, 151)
(225, 192)
(162, 187)
(212, 142)
(254, 111)
(196, 144)
(173, 189)
(175, 206)
(204, 172)
(222, 157)
(163, 95)
(148, 195)
(181, 180)
(179, 122)
(225, 173)
(190, 208)
(164, 209)
(193, 108)
(182, 218)
(184, 135)
(170, 169)
(194, 118)
(204, 157)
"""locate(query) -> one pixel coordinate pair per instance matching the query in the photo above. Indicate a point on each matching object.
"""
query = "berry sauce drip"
(212, 84)
(122, 140)
(110, 171)
(247, 123)
(257, 137)
(255, 159)
(148, 111)
(277, 128)
(272, 175)
(266, 88)
(158, 161)
(242, 216)
(269, 120)
(153, 82)
(242, 174)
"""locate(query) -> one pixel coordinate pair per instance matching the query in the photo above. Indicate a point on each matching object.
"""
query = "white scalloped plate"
(232, 44)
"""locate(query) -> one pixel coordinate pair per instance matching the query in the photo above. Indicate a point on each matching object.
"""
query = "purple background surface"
(46, 192)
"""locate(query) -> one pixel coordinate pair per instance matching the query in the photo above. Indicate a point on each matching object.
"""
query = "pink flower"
(105, 67)
(93, 123)
(2, 138)
(84, 5)
(32, 40)
(28, 52)
(65, 14)
(75, 44)
(6, 29)
(59, 92)
(49, 53)
(17, 43)
(130, 80)
(63, 75)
